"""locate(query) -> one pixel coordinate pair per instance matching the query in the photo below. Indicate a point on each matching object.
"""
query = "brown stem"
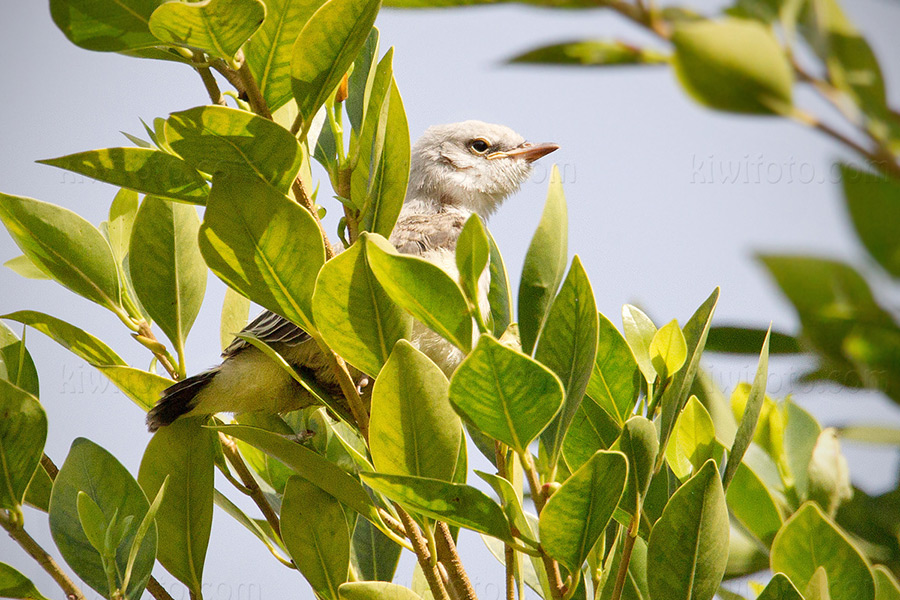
(230, 449)
(420, 546)
(509, 555)
(392, 523)
(306, 201)
(157, 590)
(49, 466)
(229, 74)
(448, 556)
(254, 95)
(557, 588)
(209, 82)
(630, 537)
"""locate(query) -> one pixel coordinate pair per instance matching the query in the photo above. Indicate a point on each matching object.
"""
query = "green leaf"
(808, 541)
(454, 503)
(354, 314)
(23, 432)
(325, 49)
(886, 586)
(372, 554)
(93, 470)
(640, 446)
(23, 266)
(688, 547)
(122, 212)
(735, 65)
(268, 52)
(568, 347)
(167, 269)
(37, 494)
(423, 289)
(592, 429)
(143, 387)
(65, 246)
(376, 590)
(316, 535)
(873, 202)
(545, 264)
(613, 383)
(263, 245)
(578, 512)
(780, 588)
(668, 350)
(750, 418)
(366, 158)
(693, 441)
(16, 365)
(311, 466)
(360, 80)
(139, 169)
(217, 27)
(235, 313)
(473, 251)
(105, 26)
(593, 53)
(753, 505)
(748, 340)
(182, 454)
(73, 339)
(512, 505)
(505, 393)
(800, 434)
(15, 585)
(499, 296)
(214, 139)
(817, 588)
(92, 522)
(640, 333)
(413, 430)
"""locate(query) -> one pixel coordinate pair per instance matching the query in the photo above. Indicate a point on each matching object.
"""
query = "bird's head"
(473, 165)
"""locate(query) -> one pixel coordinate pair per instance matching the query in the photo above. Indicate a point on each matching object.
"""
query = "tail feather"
(178, 399)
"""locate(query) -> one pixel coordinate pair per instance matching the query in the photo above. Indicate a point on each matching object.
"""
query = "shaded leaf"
(77, 341)
(753, 505)
(472, 254)
(15, 585)
(499, 295)
(640, 446)
(235, 314)
(105, 26)
(218, 27)
(593, 53)
(16, 365)
(23, 432)
(780, 588)
(874, 203)
(613, 383)
(748, 340)
(372, 554)
(376, 590)
(592, 429)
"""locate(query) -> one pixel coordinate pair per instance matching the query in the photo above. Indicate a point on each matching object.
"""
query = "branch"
(253, 490)
(209, 82)
(420, 546)
(557, 587)
(630, 536)
(449, 557)
(509, 555)
(146, 338)
(306, 201)
(251, 89)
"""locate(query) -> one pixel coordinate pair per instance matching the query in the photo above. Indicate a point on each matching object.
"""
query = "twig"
(254, 95)
(147, 339)
(233, 455)
(420, 546)
(157, 590)
(49, 466)
(509, 555)
(209, 82)
(229, 74)
(449, 557)
(304, 199)
(630, 536)
(348, 387)
(557, 588)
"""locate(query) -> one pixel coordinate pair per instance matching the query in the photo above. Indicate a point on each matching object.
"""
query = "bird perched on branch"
(455, 170)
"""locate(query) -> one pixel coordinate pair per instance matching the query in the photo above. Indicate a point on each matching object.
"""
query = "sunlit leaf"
(218, 27)
(105, 26)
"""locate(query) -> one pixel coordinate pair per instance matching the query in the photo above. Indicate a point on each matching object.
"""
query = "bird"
(456, 170)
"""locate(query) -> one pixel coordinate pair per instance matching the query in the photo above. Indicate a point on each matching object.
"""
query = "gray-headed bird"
(455, 170)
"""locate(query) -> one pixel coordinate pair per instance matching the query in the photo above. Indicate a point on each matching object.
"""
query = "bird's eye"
(479, 145)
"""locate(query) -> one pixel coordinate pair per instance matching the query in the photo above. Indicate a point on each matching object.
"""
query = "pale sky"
(650, 223)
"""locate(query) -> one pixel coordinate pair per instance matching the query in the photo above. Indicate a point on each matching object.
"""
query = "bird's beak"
(527, 151)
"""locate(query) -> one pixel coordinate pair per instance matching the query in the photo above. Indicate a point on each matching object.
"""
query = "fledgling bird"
(455, 170)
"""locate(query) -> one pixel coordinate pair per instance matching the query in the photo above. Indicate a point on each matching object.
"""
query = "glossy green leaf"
(217, 27)
(748, 340)
(167, 269)
(886, 585)
(122, 212)
(668, 350)
(545, 264)
(639, 332)
(423, 289)
(263, 245)
(372, 554)
(266, 536)
(65, 246)
(183, 452)
(735, 65)
(568, 347)
(92, 521)
(505, 393)
(376, 590)
(613, 383)
(325, 49)
(15, 585)
(873, 202)
(37, 494)
(578, 512)
(780, 588)
(105, 26)
(413, 430)
(512, 505)
(23, 432)
(593, 53)
(817, 588)
(310, 465)
(693, 441)
(359, 84)
(592, 429)
(640, 446)
(142, 387)
(365, 160)
(235, 314)
(808, 541)
(316, 535)
(16, 365)
(499, 295)
(454, 503)
(750, 417)
(353, 312)
(688, 546)
(140, 169)
(72, 338)
(93, 470)
(473, 252)
(753, 505)
(268, 52)
(214, 139)
(23, 266)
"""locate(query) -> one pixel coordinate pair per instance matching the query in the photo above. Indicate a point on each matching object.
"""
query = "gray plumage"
(455, 170)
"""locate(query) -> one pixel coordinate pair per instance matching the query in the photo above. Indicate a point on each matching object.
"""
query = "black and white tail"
(178, 399)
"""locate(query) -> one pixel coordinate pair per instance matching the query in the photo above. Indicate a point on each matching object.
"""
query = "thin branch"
(449, 557)
(229, 74)
(306, 201)
(251, 88)
(157, 590)
(420, 546)
(557, 588)
(233, 455)
(509, 555)
(209, 82)
(146, 338)
(49, 466)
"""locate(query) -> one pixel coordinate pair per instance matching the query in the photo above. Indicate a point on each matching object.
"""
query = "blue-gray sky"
(649, 222)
